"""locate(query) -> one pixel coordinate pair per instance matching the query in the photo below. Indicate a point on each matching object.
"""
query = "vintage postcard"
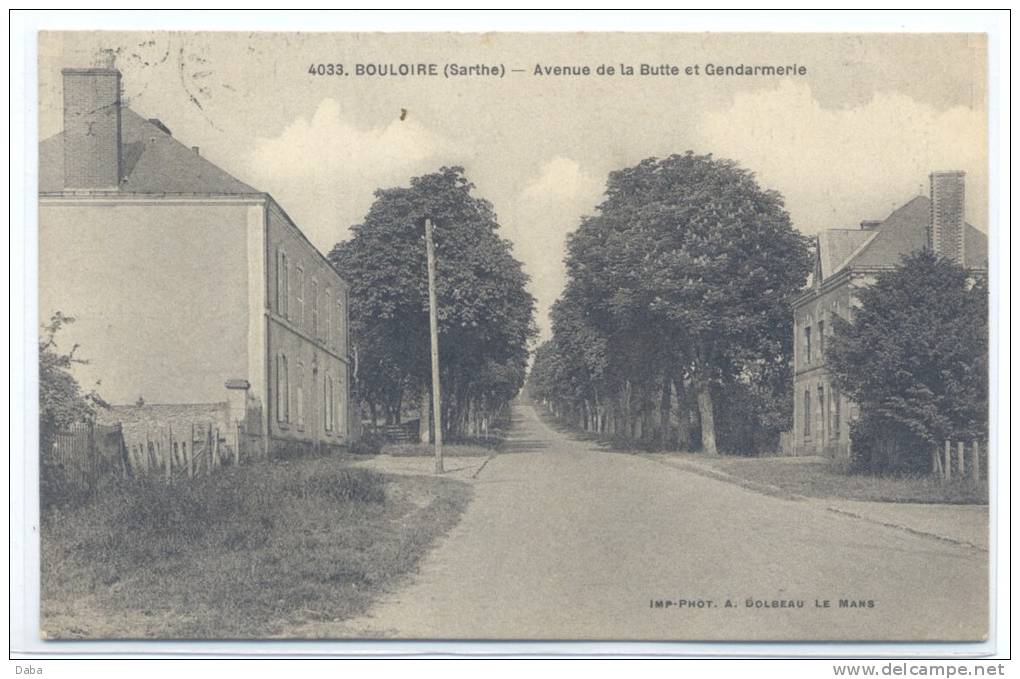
(507, 336)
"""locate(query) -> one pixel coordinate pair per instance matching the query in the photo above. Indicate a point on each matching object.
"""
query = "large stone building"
(845, 261)
(187, 285)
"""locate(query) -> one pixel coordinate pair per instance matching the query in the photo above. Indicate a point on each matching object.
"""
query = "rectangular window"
(299, 396)
(299, 296)
(282, 390)
(327, 400)
(326, 311)
(282, 287)
(807, 345)
(821, 340)
(837, 408)
(821, 412)
(339, 321)
(807, 413)
(315, 309)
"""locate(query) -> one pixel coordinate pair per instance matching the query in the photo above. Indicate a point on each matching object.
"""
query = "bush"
(883, 446)
(370, 443)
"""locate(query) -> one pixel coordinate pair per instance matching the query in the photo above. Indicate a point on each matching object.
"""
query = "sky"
(851, 139)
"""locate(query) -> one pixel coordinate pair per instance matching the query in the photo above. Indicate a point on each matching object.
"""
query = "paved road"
(566, 541)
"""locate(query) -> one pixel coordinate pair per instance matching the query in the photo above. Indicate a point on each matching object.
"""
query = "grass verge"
(247, 553)
(785, 477)
(827, 480)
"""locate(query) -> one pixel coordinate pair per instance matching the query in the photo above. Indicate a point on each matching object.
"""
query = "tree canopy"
(915, 356)
(685, 273)
(486, 314)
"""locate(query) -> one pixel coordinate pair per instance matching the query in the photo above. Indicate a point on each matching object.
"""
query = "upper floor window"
(299, 295)
(340, 325)
(807, 345)
(282, 283)
(821, 339)
(314, 302)
(329, 326)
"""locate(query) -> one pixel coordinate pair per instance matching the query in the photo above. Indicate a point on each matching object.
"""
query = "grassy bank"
(247, 553)
(828, 480)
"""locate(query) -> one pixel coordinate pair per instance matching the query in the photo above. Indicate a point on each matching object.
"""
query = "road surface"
(564, 540)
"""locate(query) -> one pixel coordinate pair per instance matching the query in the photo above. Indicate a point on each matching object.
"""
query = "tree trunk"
(371, 409)
(665, 411)
(423, 413)
(707, 412)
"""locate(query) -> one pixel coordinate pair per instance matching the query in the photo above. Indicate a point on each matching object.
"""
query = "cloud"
(546, 210)
(837, 167)
(325, 170)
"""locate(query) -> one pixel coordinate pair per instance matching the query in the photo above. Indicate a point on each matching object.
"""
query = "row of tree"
(486, 314)
(679, 291)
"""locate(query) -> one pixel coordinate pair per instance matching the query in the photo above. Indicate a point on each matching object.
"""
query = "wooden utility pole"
(437, 404)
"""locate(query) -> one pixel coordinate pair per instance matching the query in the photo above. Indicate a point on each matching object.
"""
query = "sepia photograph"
(570, 336)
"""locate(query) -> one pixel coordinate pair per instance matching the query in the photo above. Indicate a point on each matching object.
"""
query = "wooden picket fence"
(87, 452)
(199, 449)
(960, 460)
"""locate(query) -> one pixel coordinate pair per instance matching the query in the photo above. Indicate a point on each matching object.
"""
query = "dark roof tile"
(153, 162)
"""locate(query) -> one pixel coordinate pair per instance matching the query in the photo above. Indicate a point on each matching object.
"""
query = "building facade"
(187, 286)
(847, 260)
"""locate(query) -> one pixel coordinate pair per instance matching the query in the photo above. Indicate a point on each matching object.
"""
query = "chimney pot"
(195, 149)
(870, 224)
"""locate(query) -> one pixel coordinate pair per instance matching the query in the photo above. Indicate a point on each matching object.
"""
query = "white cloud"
(549, 207)
(838, 166)
(324, 170)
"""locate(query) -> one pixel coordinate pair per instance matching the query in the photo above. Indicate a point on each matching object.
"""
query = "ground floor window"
(282, 389)
(299, 395)
(327, 402)
(821, 412)
(837, 412)
(806, 413)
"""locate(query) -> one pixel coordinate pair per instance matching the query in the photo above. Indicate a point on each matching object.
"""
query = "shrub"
(370, 443)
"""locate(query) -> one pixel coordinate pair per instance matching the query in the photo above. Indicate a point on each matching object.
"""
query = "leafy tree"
(485, 312)
(915, 358)
(689, 263)
(61, 402)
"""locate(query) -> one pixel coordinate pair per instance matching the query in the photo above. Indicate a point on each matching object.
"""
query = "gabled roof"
(902, 232)
(152, 162)
(837, 246)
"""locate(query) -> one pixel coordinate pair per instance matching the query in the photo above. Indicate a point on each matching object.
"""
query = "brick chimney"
(91, 128)
(946, 227)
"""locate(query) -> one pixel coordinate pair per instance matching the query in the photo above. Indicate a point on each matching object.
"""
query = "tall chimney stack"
(91, 128)
(946, 227)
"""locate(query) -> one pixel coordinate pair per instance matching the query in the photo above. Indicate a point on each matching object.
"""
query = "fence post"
(191, 453)
(948, 469)
(215, 460)
(209, 449)
(975, 464)
(167, 456)
(960, 468)
(122, 450)
(237, 447)
(93, 458)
